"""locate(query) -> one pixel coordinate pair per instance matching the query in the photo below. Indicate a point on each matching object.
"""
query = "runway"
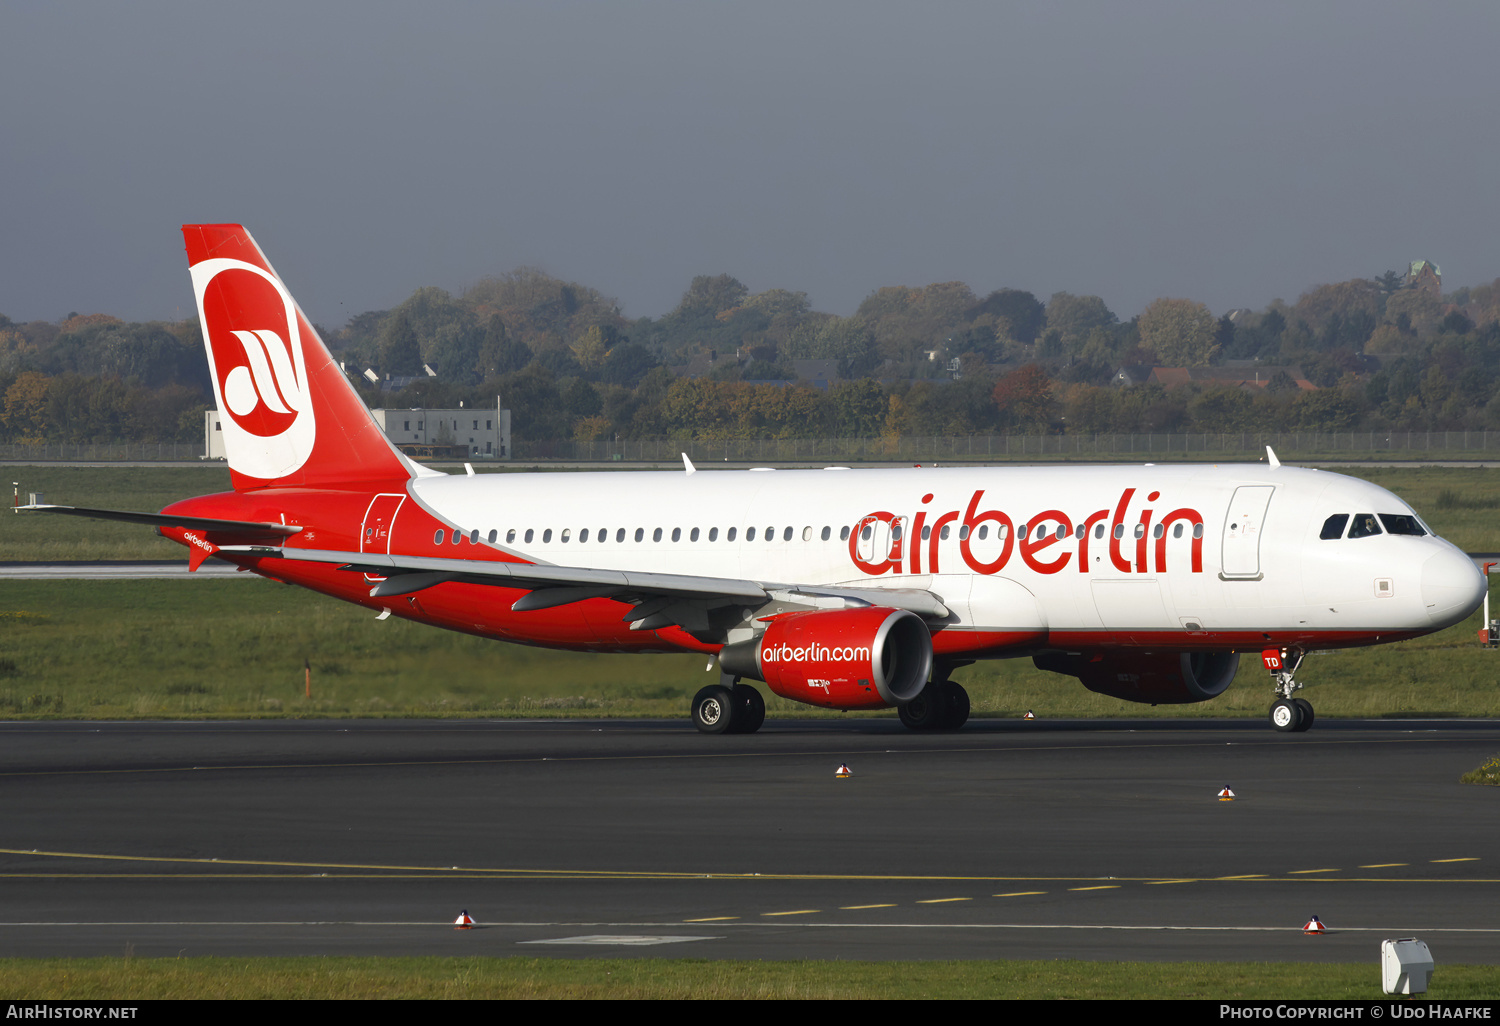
(574, 838)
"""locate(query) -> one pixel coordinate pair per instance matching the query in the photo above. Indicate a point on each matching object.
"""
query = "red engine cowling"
(1158, 678)
(869, 658)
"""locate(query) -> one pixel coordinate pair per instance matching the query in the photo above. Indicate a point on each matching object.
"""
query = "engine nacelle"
(1159, 678)
(869, 658)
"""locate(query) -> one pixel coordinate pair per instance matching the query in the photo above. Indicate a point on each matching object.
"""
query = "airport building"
(464, 433)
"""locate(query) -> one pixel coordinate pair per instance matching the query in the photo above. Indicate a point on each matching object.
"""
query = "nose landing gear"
(1288, 714)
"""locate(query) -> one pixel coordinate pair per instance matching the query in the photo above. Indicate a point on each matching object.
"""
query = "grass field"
(204, 648)
(127, 979)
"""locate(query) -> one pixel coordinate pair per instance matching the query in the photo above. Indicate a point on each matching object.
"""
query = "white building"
(457, 434)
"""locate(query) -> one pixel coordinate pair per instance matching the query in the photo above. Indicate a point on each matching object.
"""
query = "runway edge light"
(1226, 795)
(843, 771)
(1314, 927)
(464, 921)
(1029, 715)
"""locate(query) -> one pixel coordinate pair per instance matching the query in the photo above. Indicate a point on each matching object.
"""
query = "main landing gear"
(1287, 713)
(728, 707)
(941, 705)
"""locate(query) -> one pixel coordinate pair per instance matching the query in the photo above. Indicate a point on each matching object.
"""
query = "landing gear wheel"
(749, 709)
(714, 710)
(1285, 715)
(925, 712)
(955, 701)
(1305, 707)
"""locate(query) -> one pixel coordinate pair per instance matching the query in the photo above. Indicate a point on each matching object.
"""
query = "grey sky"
(1225, 153)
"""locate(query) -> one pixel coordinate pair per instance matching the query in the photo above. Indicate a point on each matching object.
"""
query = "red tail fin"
(288, 414)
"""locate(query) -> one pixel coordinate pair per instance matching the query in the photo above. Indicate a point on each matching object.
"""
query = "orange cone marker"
(464, 921)
(842, 771)
(1314, 927)
(1226, 795)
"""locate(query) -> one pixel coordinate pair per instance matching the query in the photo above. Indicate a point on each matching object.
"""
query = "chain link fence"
(916, 448)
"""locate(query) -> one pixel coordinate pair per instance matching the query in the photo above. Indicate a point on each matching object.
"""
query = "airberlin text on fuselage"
(1130, 546)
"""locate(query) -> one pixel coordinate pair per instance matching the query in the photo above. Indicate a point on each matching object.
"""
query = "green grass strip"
(125, 979)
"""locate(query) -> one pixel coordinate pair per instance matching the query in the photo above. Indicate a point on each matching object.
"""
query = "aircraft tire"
(1305, 707)
(955, 702)
(1285, 715)
(714, 710)
(749, 709)
(925, 712)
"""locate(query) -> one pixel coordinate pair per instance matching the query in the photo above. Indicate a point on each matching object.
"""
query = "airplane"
(840, 588)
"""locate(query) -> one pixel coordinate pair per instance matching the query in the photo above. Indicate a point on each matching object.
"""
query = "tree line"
(932, 360)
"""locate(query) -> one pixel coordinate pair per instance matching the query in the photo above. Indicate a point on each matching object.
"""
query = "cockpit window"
(1401, 523)
(1365, 526)
(1334, 526)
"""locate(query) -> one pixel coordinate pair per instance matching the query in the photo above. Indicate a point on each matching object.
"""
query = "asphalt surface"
(607, 838)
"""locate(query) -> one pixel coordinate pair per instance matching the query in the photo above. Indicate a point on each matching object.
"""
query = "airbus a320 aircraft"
(849, 589)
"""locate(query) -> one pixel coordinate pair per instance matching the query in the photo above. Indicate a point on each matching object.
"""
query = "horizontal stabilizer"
(238, 527)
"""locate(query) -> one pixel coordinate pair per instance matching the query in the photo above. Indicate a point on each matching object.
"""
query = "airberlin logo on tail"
(259, 371)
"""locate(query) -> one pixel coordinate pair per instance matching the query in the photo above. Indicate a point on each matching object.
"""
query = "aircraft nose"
(1452, 587)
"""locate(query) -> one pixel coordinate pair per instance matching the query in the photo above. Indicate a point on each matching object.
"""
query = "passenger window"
(1177, 530)
(677, 534)
(926, 531)
(457, 534)
(826, 532)
(843, 534)
(1364, 526)
(546, 536)
(731, 534)
(437, 538)
(1098, 530)
(474, 536)
(943, 534)
(1197, 530)
(510, 536)
(807, 534)
(583, 535)
(620, 535)
(866, 533)
(770, 534)
(604, 534)
(529, 533)
(640, 534)
(1333, 527)
(656, 535)
(750, 534)
(963, 532)
(786, 535)
(1157, 531)
(713, 534)
(1400, 523)
(493, 536)
(567, 534)
(984, 531)
(694, 535)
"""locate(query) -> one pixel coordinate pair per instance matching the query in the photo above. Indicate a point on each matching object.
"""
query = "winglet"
(687, 464)
(1271, 458)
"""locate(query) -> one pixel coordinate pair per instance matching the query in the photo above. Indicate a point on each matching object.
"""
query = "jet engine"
(1160, 678)
(867, 658)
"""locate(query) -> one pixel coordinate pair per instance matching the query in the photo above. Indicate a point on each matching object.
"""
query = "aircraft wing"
(236, 527)
(658, 599)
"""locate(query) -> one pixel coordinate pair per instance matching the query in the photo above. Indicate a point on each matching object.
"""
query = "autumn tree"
(1025, 398)
(1180, 332)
